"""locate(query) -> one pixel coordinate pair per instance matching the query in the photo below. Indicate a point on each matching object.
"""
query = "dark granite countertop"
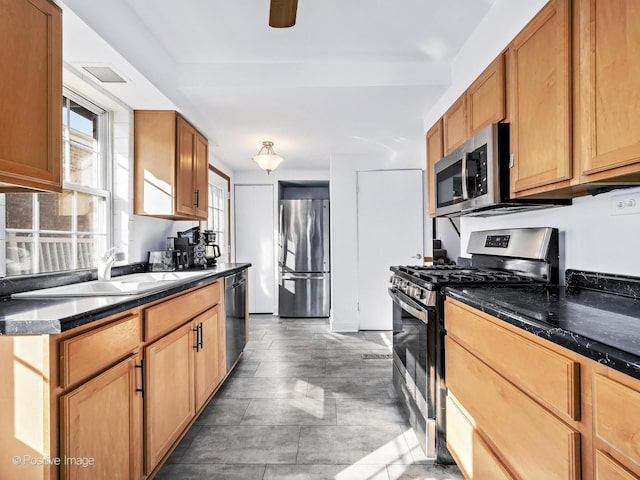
(51, 316)
(602, 326)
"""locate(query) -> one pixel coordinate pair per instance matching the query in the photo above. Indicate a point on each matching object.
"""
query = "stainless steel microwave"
(473, 180)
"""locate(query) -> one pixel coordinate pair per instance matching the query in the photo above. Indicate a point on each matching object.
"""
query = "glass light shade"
(268, 161)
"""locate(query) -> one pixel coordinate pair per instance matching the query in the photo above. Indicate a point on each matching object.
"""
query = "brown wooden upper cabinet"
(482, 103)
(540, 100)
(31, 96)
(609, 89)
(434, 153)
(486, 97)
(454, 125)
(170, 166)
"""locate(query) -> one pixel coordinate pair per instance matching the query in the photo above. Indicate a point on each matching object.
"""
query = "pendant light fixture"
(269, 160)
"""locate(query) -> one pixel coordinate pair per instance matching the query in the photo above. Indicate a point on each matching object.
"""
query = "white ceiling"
(350, 76)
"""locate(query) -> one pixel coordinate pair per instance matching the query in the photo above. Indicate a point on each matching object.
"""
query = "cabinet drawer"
(555, 379)
(165, 316)
(608, 469)
(93, 351)
(537, 444)
(617, 421)
(472, 454)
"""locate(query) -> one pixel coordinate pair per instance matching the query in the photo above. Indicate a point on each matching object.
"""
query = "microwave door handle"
(465, 193)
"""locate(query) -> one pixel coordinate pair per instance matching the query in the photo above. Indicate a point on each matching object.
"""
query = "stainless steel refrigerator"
(303, 259)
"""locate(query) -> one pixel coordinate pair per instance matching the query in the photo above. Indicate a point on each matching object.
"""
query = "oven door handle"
(406, 304)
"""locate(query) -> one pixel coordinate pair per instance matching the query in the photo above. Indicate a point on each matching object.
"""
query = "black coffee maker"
(199, 246)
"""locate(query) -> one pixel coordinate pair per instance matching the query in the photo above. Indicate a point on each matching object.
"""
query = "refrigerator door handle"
(282, 250)
(302, 276)
(325, 234)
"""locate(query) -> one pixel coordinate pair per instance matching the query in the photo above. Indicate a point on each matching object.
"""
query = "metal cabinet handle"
(199, 340)
(142, 379)
(197, 202)
(197, 345)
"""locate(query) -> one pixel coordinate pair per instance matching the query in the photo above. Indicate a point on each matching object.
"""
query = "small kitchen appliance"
(166, 260)
(198, 246)
(510, 257)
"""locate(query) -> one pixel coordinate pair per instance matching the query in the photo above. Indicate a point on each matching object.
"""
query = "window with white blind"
(218, 218)
(48, 232)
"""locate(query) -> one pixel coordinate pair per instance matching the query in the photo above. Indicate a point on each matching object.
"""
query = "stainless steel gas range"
(524, 256)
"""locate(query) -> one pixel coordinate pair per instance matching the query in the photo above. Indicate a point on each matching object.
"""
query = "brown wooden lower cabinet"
(209, 358)
(111, 399)
(507, 420)
(473, 456)
(169, 405)
(608, 469)
(549, 449)
(101, 426)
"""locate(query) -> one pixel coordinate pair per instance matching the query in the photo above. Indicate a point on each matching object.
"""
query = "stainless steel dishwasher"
(235, 288)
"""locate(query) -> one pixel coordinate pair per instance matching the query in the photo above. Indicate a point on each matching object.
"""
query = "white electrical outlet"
(628, 204)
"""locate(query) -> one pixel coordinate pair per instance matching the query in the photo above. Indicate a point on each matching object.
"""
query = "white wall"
(344, 228)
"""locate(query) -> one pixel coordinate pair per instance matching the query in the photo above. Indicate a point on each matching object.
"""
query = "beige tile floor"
(303, 404)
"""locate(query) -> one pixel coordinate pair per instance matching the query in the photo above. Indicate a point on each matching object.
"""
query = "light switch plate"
(628, 204)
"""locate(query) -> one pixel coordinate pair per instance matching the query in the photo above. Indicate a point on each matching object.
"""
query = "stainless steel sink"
(134, 284)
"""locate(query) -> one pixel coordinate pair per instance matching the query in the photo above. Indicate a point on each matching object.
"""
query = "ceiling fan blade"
(282, 13)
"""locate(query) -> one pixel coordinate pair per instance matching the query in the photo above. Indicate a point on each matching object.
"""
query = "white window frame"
(219, 180)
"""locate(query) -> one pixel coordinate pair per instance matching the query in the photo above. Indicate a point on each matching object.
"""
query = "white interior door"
(390, 232)
(254, 242)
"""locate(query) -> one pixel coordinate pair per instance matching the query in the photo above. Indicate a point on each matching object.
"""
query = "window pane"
(90, 248)
(19, 210)
(92, 213)
(55, 252)
(84, 165)
(83, 121)
(56, 211)
(19, 251)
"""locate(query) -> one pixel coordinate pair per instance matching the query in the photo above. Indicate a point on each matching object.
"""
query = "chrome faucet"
(106, 262)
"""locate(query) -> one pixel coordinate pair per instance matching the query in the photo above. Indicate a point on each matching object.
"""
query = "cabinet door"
(455, 126)
(154, 153)
(31, 97)
(169, 403)
(209, 370)
(608, 469)
(101, 421)
(185, 191)
(434, 153)
(609, 76)
(201, 176)
(485, 97)
(540, 100)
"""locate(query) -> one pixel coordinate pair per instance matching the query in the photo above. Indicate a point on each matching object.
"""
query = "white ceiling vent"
(105, 74)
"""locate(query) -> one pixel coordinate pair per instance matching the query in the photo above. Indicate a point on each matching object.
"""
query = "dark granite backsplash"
(604, 282)
(24, 283)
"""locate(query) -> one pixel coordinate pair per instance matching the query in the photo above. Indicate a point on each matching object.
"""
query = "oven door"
(414, 353)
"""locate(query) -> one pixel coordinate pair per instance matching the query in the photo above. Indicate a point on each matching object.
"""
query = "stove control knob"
(418, 294)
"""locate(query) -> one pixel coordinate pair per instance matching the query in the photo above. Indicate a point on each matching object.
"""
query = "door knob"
(417, 256)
